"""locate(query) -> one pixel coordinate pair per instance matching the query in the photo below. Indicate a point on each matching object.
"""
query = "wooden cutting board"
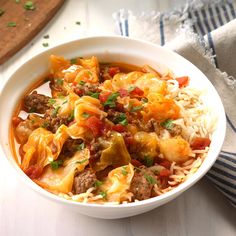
(19, 25)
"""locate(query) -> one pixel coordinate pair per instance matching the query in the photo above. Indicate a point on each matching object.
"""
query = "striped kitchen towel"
(204, 32)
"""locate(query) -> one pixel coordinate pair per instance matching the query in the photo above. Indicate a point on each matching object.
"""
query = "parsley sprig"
(111, 100)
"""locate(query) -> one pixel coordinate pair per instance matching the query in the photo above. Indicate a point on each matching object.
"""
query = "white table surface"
(202, 210)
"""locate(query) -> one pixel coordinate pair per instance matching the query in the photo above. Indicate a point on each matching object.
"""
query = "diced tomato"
(129, 140)
(79, 91)
(119, 128)
(34, 171)
(123, 92)
(166, 164)
(113, 70)
(165, 173)
(103, 96)
(183, 81)
(119, 107)
(136, 163)
(95, 125)
(137, 91)
(74, 83)
(199, 143)
(16, 121)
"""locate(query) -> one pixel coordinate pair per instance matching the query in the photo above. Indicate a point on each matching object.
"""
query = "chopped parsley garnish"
(144, 100)
(64, 102)
(98, 183)
(103, 194)
(78, 23)
(46, 36)
(131, 88)
(55, 111)
(168, 124)
(124, 170)
(56, 164)
(51, 101)
(29, 5)
(32, 110)
(121, 119)
(45, 124)
(60, 82)
(45, 45)
(71, 116)
(111, 100)
(82, 82)
(1, 12)
(11, 24)
(137, 108)
(148, 161)
(73, 61)
(80, 146)
(93, 95)
(150, 179)
(81, 162)
(85, 115)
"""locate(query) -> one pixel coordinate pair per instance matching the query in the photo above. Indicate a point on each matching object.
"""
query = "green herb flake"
(55, 111)
(81, 162)
(64, 102)
(85, 115)
(59, 82)
(136, 108)
(11, 24)
(103, 194)
(29, 5)
(121, 119)
(17, 1)
(80, 146)
(73, 61)
(45, 124)
(78, 23)
(46, 36)
(93, 95)
(51, 101)
(56, 164)
(144, 100)
(45, 45)
(168, 124)
(82, 82)
(98, 183)
(124, 170)
(131, 88)
(148, 161)
(150, 179)
(111, 100)
(1, 12)
(71, 116)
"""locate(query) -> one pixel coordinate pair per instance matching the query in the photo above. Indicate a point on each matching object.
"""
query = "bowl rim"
(151, 201)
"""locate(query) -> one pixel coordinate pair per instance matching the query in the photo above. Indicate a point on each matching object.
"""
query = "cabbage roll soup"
(110, 133)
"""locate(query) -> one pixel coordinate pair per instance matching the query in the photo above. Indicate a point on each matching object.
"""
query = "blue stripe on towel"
(205, 20)
(225, 13)
(230, 195)
(219, 15)
(222, 181)
(126, 28)
(222, 172)
(202, 31)
(121, 31)
(162, 30)
(228, 158)
(230, 153)
(231, 6)
(211, 44)
(212, 18)
(230, 123)
(190, 17)
(220, 162)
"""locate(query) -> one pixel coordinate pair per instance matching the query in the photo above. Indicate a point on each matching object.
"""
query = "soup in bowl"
(110, 126)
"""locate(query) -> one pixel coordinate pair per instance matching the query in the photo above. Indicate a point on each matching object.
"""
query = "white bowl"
(111, 49)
